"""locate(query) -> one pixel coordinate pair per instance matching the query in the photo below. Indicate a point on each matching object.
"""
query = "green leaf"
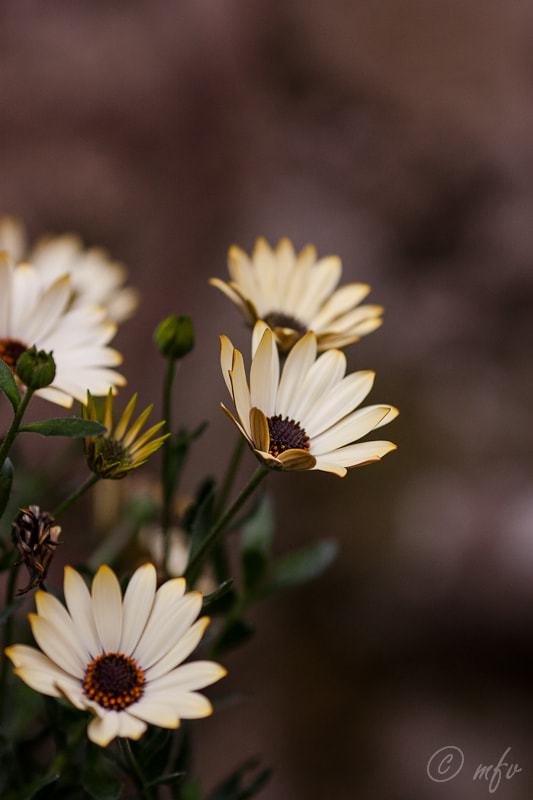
(102, 786)
(300, 567)
(29, 792)
(234, 786)
(167, 780)
(221, 600)
(203, 517)
(256, 541)
(75, 427)
(6, 479)
(8, 385)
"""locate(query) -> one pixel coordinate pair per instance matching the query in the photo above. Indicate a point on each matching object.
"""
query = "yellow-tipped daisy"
(96, 279)
(115, 453)
(295, 293)
(120, 657)
(31, 315)
(305, 419)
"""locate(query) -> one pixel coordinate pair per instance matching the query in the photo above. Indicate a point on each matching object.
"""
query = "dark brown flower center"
(286, 434)
(114, 681)
(277, 319)
(10, 351)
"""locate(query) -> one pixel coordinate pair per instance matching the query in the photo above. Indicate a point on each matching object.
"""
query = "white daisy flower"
(304, 419)
(31, 315)
(96, 279)
(295, 294)
(120, 658)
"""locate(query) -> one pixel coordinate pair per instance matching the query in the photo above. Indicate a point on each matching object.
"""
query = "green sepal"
(300, 567)
(8, 385)
(235, 787)
(74, 427)
(6, 479)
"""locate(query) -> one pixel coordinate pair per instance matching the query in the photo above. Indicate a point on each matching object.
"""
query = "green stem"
(8, 633)
(218, 529)
(167, 481)
(14, 427)
(135, 770)
(230, 475)
(90, 481)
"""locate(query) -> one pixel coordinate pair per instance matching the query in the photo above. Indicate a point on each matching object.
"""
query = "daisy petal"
(107, 608)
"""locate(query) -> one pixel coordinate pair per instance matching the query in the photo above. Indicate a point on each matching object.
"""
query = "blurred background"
(398, 135)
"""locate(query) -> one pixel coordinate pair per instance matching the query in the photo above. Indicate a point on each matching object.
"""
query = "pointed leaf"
(8, 385)
(74, 427)
(234, 786)
(300, 567)
(256, 541)
(6, 479)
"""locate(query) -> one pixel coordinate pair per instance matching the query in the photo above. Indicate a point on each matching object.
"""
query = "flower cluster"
(127, 655)
(302, 415)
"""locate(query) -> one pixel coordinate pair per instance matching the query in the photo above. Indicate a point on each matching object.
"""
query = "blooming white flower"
(31, 315)
(294, 294)
(96, 279)
(304, 419)
(120, 657)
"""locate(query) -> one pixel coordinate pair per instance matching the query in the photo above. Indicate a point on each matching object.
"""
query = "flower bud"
(36, 369)
(174, 337)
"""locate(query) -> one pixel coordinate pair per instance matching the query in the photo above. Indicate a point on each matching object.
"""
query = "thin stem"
(135, 770)
(8, 632)
(230, 476)
(14, 427)
(90, 481)
(167, 479)
(218, 529)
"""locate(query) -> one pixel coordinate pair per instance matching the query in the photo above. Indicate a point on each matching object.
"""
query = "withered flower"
(36, 536)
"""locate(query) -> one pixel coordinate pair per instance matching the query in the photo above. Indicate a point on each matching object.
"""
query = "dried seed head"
(36, 537)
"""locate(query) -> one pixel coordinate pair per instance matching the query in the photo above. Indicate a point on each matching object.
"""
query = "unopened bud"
(36, 369)
(174, 337)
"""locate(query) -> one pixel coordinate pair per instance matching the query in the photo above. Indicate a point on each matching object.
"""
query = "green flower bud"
(36, 369)
(174, 337)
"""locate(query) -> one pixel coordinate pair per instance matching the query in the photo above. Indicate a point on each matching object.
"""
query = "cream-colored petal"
(349, 429)
(171, 615)
(264, 375)
(259, 429)
(181, 650)
(189, 677)
(137, 606)
(36, 669)
(130, 727)
(257, 334)
(50, 608)
(265, 272)
(324, 465)
(240, 392)
(102, 730)
(355, 320)
(241, 272)
(226, 360)
(393, 413)
(296, 459)
(356, 455)
(57, 646)
(239, 426)
(340, 302)
(323, 278)
(159, 712)
(339, 401)
(324, 375)
(107, 608)
(296, 367)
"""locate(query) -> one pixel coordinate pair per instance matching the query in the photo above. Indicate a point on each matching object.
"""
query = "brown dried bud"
(36, 537)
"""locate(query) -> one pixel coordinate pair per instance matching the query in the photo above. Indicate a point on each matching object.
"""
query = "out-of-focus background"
(398, 135)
